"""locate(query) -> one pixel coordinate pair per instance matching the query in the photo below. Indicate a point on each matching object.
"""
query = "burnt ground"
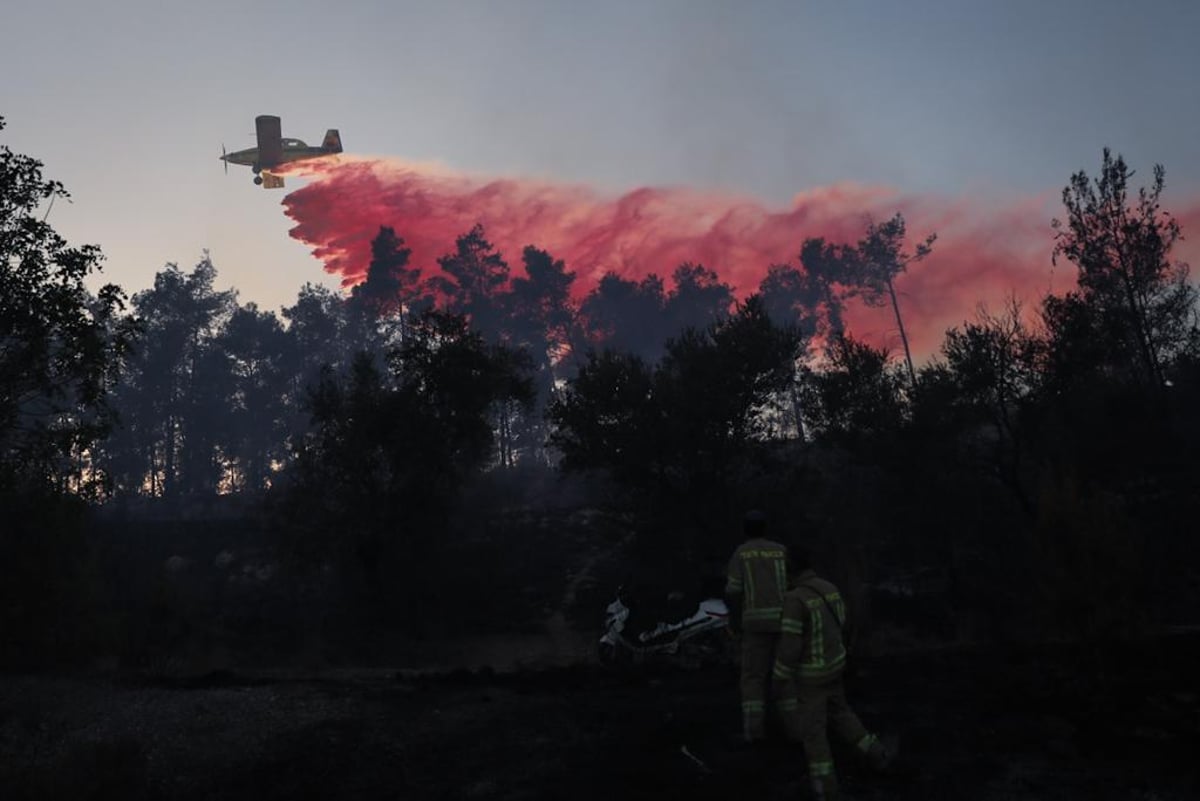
(974, 724)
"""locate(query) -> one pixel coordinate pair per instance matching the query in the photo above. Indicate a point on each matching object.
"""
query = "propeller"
(223, 155)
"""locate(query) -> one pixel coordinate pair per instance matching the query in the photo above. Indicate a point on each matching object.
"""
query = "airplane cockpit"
(293, 143)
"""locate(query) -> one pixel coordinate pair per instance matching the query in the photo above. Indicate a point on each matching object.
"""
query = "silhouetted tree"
(856, 394)
(377, 308)
(626, 315)
(880, 258)
(792, 298)
(686, 425)
(788, 296)
(174, 392)
(828, 281)
(714, 386)
(606, 417)
(317, 327)
(542, 314)
(60, 345)
(391, 285)
(1131, 296)
(541, 320)
(473, 280)
(698, 298)
(992, 364)
(259, 361)
(993, 361)
(387, 451)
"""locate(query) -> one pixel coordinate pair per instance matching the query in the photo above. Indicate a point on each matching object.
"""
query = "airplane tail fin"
(333, 141)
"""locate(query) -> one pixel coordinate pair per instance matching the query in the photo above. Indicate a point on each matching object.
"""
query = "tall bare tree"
(881, 258)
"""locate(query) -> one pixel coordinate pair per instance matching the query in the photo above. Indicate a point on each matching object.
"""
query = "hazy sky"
(129, 101)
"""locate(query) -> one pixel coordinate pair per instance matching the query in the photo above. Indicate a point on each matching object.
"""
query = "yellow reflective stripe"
(781, 671)
(818, 638)
(733, 583)
(750, 591)
(812, 664)
(763, 613)
(812, 672)
(781, 577)
(758, 553)
(791, 626)
(823, 768)
(866, 742)
(753, 706)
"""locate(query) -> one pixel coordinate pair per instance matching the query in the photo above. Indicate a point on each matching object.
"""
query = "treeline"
(215, 397)
(1042, 464)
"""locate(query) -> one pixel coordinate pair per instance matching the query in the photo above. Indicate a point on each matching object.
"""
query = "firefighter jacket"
(811, 647)
(758, 576)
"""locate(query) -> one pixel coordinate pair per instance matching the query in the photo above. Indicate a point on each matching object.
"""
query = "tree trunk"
(1141, 330)
(797, 412)
(912, 374)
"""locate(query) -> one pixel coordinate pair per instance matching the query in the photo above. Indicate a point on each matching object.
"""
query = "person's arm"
(791, 638)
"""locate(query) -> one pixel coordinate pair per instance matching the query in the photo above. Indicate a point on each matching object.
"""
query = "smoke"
(987, 250)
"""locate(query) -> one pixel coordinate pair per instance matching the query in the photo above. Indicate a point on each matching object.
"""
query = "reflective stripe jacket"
(758, 574)
(811, 647)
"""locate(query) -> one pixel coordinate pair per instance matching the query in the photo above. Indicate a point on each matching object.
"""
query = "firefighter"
(754, 588)
(807, 677)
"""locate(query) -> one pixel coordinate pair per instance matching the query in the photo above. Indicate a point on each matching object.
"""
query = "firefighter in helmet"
(754, 588)
(807, 677)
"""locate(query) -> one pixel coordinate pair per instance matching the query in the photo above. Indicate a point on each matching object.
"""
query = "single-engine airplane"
(274, 150)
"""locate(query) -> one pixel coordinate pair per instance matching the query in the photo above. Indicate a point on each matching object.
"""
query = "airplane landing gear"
(258, 180)
(254, 168)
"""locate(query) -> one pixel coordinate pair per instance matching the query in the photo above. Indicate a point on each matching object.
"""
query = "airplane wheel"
(254, 168)
(258, 180)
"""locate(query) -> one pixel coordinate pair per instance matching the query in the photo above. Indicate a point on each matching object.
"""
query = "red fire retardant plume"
(986, 250)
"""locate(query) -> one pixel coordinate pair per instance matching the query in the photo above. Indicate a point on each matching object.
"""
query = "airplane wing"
(271, 180)
(270, 140)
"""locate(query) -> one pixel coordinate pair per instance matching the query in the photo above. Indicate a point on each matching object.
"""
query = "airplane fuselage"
(298, 152)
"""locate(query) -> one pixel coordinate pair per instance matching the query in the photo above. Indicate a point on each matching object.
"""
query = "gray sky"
(128, 102)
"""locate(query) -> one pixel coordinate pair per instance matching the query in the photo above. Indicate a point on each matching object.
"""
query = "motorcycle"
(700, 639)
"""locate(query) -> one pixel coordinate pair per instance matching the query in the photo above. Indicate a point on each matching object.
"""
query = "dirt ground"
(972, 725)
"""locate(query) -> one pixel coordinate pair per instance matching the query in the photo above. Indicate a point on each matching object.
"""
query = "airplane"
(274, 150)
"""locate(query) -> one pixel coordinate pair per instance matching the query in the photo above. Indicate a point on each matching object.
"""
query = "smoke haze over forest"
(987, 249)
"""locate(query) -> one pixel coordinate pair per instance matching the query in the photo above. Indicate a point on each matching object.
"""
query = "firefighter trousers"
(758, 658)
(808, 711)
